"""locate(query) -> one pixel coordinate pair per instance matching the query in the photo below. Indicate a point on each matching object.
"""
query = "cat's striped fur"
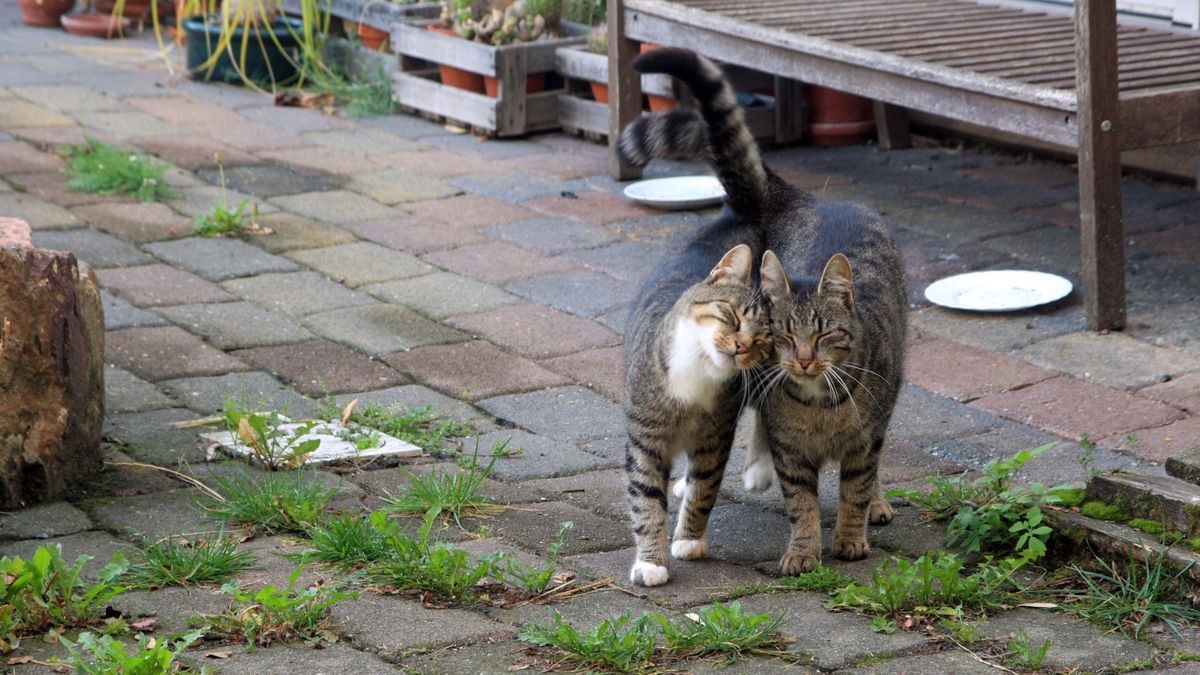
(835, 287)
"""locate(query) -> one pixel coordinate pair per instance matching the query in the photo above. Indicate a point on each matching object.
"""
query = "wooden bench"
(1042, 74)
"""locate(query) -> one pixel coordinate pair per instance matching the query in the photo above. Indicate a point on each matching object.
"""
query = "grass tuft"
(622, 643)
(102, 169)
(821, 578)
(723, 630)
(425, 427)
(454, 495)
(347, 540)
(1130, 597)
(177, 562)
(272, 502)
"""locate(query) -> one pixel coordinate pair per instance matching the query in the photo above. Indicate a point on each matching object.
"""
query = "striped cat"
(834, 284)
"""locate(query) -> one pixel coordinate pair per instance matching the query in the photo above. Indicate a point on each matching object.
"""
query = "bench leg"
(891, 124)
(1100, 212)
(790, 115)
(624, 89)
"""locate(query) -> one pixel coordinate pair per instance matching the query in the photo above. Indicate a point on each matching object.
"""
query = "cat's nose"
(741, 346)
(804, 363)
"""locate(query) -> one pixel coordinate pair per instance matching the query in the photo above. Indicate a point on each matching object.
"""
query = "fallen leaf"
(518, 666)
(348, 410)
(561, 578)
(693, 616)
(19, 660)
(217, 655)
(1039, 605)
(144, 624)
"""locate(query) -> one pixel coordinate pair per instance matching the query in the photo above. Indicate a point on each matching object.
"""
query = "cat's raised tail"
(717, 133)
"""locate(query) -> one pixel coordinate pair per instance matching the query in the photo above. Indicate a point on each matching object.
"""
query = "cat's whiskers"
(850, 396)
(859, 383)
(865, 370)
(829, 385)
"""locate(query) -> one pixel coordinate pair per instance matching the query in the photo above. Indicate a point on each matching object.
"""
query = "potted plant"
(597, 43)
(44, 12)
(502, 23)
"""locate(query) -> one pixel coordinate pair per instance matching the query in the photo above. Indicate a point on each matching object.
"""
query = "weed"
(274, 502)
(1133, 596)
(536, 580)
(454, 495)
(821, 578)
(963, 631)
(102, 655)
(415, 564)
(346, 540)
(1069, 496)
(725, 630)
(1023, 654)
(273, 614)
(221, 220)
(177, 562)
(1087, 456)
(622, 643)
(263, 435)
(364, 96)
(98, 168)
(424, 427)
(1101, 511)
(363, 439)
(883, 624)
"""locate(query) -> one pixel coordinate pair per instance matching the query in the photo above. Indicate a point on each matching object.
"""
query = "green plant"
(220, 220)
(963, 631)
(597, 40)
(1087, 456)
(883, 624)
(586, 12)
(346, 540)
(821, 578)
(453, 495)
(1024, 654)
(1194, 544)
(1069, 496)
(1133, 596)
(263, 434)
(621, 643)
(1165, 535)
(272, 502)
(102, 655)
(535, 580)
(273, 614)
(424, 427)
(725, 630)
(364, 96)
(415, 564)
(1101, 511)
(98, 168)
(177, 562)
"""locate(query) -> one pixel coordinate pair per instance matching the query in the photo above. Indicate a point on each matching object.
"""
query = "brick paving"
(409, 264)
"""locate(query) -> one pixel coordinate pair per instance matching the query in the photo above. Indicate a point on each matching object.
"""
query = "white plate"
(998, 290)
(681, 192)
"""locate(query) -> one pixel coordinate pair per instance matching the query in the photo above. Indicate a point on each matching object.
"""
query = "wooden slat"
(1186, 72)
(882, 21)
(997, 36)
(1130, 40)
(841, 16)
(1021, 67)
(1127, 68)
(1160, 117)
(925, 52)
(947, 25)
(582, 114)
(457, 104)
(624, 88)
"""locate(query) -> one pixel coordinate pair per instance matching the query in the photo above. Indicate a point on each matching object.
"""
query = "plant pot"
(457, 77)
(535, 83)
(133, 9)
(96, 25)
(599, 92)
(657, 103)
(372, 37)
(838, 118)
(265, 62)
(44, 13)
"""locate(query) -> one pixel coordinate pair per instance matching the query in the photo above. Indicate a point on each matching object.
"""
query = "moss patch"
(1101, 511)
(1069, 496)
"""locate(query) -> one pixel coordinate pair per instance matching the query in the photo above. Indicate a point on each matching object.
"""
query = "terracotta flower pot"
(133, 9)
(657, 103)
(535, 83)
(838, 118)
(372, 37)
(95, 25)
(456, 77)
(599, 92)
(44, 13)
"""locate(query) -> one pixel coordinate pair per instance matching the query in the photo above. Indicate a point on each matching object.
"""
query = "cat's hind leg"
(760, 468)
(679, 489)
(647, 470)
(706, 467)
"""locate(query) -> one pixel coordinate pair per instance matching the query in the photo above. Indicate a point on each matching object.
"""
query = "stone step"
(1186, 465)
(1174, 502)
(1115, 539)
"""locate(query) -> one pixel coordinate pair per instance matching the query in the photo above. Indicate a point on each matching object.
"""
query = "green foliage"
(363, 439)
(424, 427)
(47, 592)
(722, 629)
(176, 562)
(269, 444)
(1023, 654)
(415, 564)
(220, 220)
(597, 40)
(1069, 496)
(1148, 526)
(535, 580)
(453, 495)
(1129, 597)
(1194, 544)
(98, 168)
(883, 624)
(273, 614)
(346, 540)
(1101, 511)
(102, 655)
(821, 578)
(621, 643)
(586, 12)
(963, 631)
(990, 513)
(363, 96)
(273, 502)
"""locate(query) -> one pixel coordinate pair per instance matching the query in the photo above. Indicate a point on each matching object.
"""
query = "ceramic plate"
(998, 290)
(682, 192)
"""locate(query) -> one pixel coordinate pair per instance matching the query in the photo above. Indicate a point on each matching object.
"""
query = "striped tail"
(718, 133)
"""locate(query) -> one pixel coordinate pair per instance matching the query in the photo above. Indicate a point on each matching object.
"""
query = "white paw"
(758, 476)
(689, 549)
(679, 489)
(648, 574)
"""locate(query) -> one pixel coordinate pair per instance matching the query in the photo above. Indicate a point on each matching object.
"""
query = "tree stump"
(51, 370)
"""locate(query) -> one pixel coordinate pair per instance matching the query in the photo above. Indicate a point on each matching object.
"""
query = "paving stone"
(159, 285)
(192, 152)
(258, 390)
(514, 187)
(17, 157)
(417, 235)
(40, 215)
(663, 229)
(1115, 359)
(1157, 444)
(100, 545)
(1070, 408)
(270, 180)
(434, 162)
(997, 332)
(589, 206)
(184, 110)
(96, 248)
(361, 263)
(381, 329)
(289, 660)
(156, 516)
(236, 325)
(165, 353)
(443, 294)
(139, 223)
(587, 294)
(630, 261)
(1031, 174)
(317, 158)
(496, 262)
(404, 126)
(572, 414)
(390, 625)
(173, 607)
(1165, 324)
(151, 437)
(535, 527)
(1181, 392)
(469, 210)
(418, 396)
(540, 457)
(615, 320)
(477, 368)
(553, 235)
(943, 663)
(537, 331)
(1073, 643)
(20, 114)
(296, 293)
(491, 149)
(217, 259)
(746, 534)
(67, 98)
(977, 449)
(199, 200)
(602, 370)
(960, 222)
(578, 162)
(43, 521)
(249, 136)
(289, 232)
(923, 418)
(693, 582)
(393, 187)
(489, 657)
(362, 141)
(1067, 462)
(335, 206)
(120, 314)
(928, 258)
(294, 120)
(125, 392)
(602, 492)
(319, 367)
(1047, 249)
(965, 373)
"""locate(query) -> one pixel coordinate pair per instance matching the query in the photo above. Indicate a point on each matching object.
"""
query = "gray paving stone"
(296, 293)
(366, 142)
(489, 657)
(582, 612)
(150, 437)
(361, 263)
(336, 206)
(493, 149)
(218, 258)
(443, 294)
(998, 332)
(289, 232)
(1073, 644)
(96, 248)
(950, 662)
(390, 625)
(404, 126)
(155, 516)
(1065, 463)
(1114, 359)
(125, 124)
(571, 414)
(268, 180)
(747, 534)
(535, 527)
(662, 229)
(289, 660)
(236, 325)
(397, 187)
(602, 492)
(99, 545)
(414, 396)
(630, 261)
(173, 607)
(615, 320)
(200, 200)
(43, 522)
(512, 186)
(381, 329)
(693, 582)
(961, 223)
(976, 450)
(586, 294)
(553, 235)
(40, 215)
(125, 392)
(541, 457)
(923, 418)
(256, 389)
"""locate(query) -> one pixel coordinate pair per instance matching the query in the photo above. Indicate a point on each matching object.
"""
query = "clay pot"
(133, 9)
(372, 37)
(599, 92)
(44, 13)
(657, 103)
(535, 83)
(457, 77)
(838, 118)
(96, 25)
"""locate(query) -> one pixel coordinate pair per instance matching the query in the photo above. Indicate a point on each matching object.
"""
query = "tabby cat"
(834, 284)
(693, 330)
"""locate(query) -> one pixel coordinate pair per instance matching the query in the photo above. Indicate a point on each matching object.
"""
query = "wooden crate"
(512, 113)
(375, 13)
(781, 122)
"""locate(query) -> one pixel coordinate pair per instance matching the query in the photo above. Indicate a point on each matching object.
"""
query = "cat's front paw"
(797, 562)
(851, 549)
(646, 573)
(758, 476)
(689, 549)
(679, 489)
(880, 512)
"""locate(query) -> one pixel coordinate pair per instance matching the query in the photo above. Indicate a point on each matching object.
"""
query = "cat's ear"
(837, 279)
(734, 266)
(774, 280)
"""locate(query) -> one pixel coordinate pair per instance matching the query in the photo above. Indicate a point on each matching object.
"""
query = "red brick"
(537, 331)
(136, 222)
(319, 367)
(591, 206)
(1070, 408)
(1062, 215)
(166, 353)
(194, 152)
(160, 286)
(966, 373)
(1181, 241)
(417, 235)
(1156, 444)
(470, 211)
(52, 187)
(17, 157)
(561, 165)
(248, 136)
(185, 110)
(497, 262)
(52, 137)
(1181, 392)
(478, 368)
(433, 163)
(600, 369)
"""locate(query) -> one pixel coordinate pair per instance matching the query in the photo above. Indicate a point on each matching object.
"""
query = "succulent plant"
(501, 23)
(597, 40)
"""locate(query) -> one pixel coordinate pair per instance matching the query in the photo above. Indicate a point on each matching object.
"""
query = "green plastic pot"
(265, 62)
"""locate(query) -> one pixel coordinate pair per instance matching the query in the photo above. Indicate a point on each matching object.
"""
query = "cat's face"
(813, 335)
(727, 316)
